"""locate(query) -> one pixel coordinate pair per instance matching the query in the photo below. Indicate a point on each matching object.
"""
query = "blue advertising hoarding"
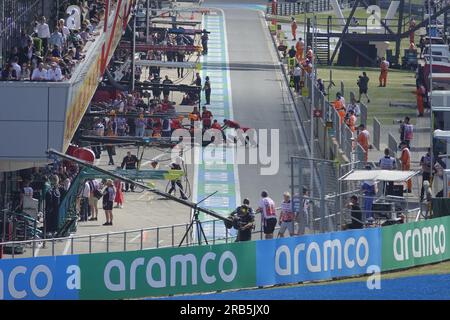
(49, 278)
(317, 257)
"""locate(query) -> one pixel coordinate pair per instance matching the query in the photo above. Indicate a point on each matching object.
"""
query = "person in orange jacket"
(299, 47)
(405, 160)
(363, 140)
(420, 94)
(351, 120)
(293, 28)
(384, 67)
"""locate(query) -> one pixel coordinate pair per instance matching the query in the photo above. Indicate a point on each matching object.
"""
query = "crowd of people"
(50, 53)
(295, 216)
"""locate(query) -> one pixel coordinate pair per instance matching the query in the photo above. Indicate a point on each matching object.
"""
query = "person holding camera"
(243, 221)
(363, 85)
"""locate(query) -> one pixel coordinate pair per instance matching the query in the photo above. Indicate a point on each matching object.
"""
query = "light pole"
(430, 94)
(311, 143)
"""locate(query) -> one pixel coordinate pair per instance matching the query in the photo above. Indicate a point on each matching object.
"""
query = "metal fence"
(376, 133)
(392, 145)
(15, 17)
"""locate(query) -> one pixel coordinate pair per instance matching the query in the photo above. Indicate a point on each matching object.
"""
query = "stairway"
(321, 50)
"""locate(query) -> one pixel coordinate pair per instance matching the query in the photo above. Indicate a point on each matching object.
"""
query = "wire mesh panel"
(16, 16)
(376, 133)
(321, 185)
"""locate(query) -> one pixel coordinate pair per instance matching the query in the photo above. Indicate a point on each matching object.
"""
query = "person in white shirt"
(43, 32)
(54, 73)
(39, 74)
(268, 214)
(17, 69)
(297, 77)
(85, 194)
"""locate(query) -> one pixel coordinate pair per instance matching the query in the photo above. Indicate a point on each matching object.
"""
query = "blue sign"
(317, 257)
(40, 278)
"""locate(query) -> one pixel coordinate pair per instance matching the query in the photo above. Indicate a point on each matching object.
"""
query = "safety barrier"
(376, 133)
(392, 145)
(299, 7)
(169, 271)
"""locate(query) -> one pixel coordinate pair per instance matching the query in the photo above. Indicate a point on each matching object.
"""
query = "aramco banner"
(208, 268)
(414, 244)
(130, 274)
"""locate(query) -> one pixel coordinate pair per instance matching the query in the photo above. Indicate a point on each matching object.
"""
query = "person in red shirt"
(216, 125)
(230, 124)
(176, 123)
(206, 118)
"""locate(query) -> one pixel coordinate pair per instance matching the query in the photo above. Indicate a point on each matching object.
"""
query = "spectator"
(108, 200)
(57, 39)
(387, 163)
(268, 214)
(39, 74)
(54, 73)
(244, 218)
(56, 52)
(43, 32)
(16, 70)
(286, 220)
(29, 52)
(140, 125)
(26, 74)
(363, 85)
(6, 72)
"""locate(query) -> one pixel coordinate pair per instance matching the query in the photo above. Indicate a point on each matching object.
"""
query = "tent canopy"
(379, 175)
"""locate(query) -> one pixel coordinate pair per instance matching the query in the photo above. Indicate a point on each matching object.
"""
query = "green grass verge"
(400, 87)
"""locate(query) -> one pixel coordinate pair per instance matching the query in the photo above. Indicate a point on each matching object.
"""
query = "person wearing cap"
(268, 214)
(243, 221)
(286, 220)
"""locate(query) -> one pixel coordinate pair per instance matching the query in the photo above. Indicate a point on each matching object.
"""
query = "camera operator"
(243, 221)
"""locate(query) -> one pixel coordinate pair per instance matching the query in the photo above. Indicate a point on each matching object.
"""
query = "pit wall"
(209, 268)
